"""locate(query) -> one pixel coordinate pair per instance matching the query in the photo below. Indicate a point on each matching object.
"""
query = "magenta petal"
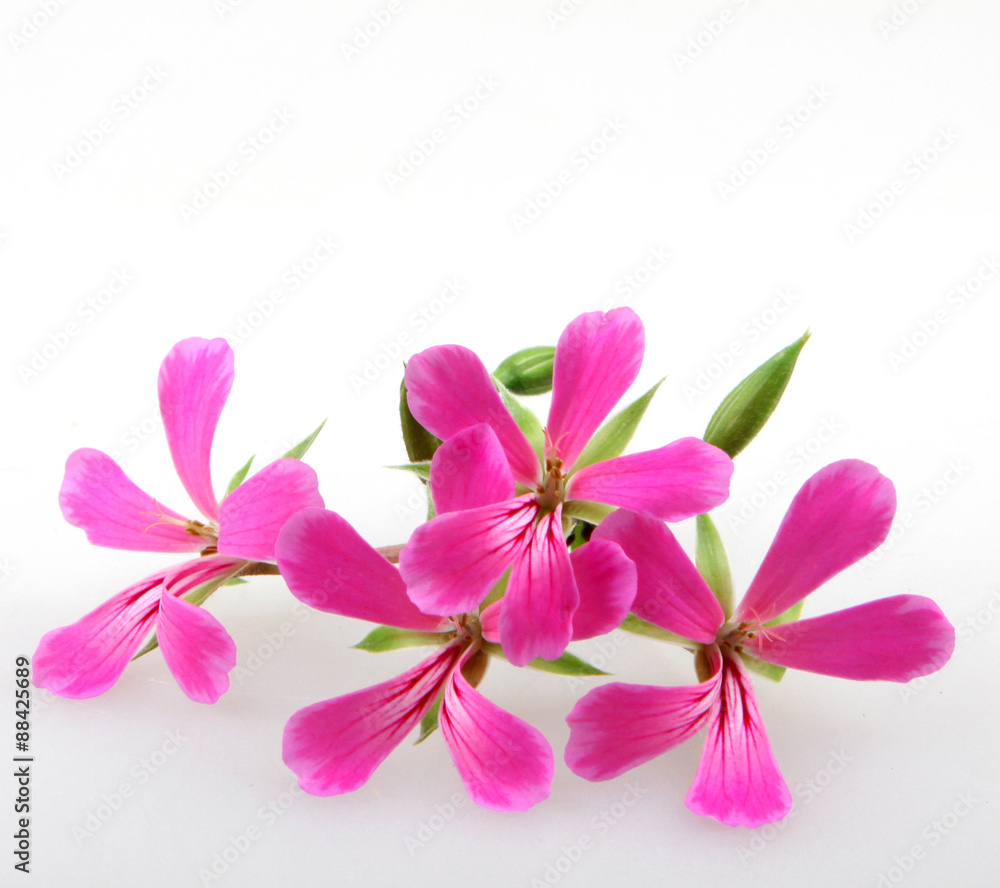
(671, 483)
(195, 379)
(470, 470)
(597, 359)
(449, 389)
(451, 563)
(87, 657)
(489, 622)
(891, 639)
(253, 514)
(505, 763)
(842, 513)
(336, 745)
(670, 591)
(197, 649)
(618, 726)
(606, 581)
(738, 781)
(541, 597)
(328, 565)
(98, 496)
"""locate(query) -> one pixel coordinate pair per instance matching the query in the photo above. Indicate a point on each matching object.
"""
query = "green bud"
(612, 438)
(529, 371)
(420, 444)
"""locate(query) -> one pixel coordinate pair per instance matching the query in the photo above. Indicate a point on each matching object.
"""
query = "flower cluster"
(537, 536)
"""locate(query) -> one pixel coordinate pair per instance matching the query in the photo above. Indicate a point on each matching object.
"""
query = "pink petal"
(537, 615)
(489, 622)
(195, 379)
(449, 389)
(87, 657)
(253, 514)
(618, 726)
(738, 781)
(505, 763)
(842, 513)
(328, 565)
(470, 470)
(606, 581)
(451, 563)
(670, 591)
(98, 496)
(892, 639)
(671, 483)
(335, 746)
(597, 359)
(196, 648)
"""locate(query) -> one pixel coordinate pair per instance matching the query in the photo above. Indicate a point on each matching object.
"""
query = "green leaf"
(713, 563)
(239, 477)
(525, 419)
(743, 412)
(429, 723)
(612, 438)
(638, 626)
(592, 513)
(567, 664)
(422, 469)
(299, 450)
(529, 371)
(420, 444)
(389, 638)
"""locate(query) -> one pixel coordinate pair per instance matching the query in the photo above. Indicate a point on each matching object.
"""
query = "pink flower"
(87, 657)
(840, 515)
(452, 562)
(334, 746)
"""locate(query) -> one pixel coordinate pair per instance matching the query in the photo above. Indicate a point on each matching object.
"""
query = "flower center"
(207, 532)
(552, 491)
(736, 635)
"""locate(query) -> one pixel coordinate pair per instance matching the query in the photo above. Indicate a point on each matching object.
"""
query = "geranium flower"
(87, 657)
(840, 515)
(452, 562)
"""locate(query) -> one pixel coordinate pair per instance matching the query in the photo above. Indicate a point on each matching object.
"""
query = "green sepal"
(235, 581)
(762, 667)
(299, 450)
(743, 412)
(389, 638)
(579, 535)
(592, 513)
(526, 421)
(429, 723)
(638, 626)
(421, 469)
(713, 563)
(567, 664)
(420, 444)
(529, 371)
(612, 438)
(239, 477)
(497, 592)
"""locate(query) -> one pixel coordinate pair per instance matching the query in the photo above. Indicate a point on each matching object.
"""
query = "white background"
(878, 771)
